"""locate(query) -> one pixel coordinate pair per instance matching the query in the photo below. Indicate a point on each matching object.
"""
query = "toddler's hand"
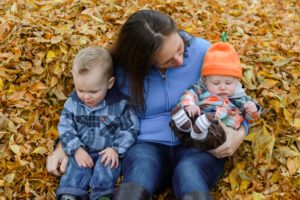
(109, 155)
(192, 110)
(250, 107)
(83, 159)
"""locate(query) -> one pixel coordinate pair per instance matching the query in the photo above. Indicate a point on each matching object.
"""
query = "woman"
(155, 63)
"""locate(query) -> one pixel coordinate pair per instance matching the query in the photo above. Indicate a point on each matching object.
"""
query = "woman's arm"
(234, 138)
(57, 162)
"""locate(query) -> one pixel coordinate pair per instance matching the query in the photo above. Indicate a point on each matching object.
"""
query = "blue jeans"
(155, 166)
(77, 180)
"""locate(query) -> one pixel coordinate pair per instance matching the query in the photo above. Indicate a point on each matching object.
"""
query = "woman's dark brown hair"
(139, 39)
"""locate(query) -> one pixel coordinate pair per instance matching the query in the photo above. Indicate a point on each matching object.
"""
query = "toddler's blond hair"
(90, 57)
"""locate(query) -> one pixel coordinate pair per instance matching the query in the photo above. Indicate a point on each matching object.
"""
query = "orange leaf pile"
(38, 41)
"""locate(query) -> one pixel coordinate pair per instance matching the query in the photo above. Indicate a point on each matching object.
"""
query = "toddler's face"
(223, 86)
(91, 87)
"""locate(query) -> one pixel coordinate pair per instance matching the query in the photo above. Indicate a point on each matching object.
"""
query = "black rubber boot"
(131, 191)
(197, 196)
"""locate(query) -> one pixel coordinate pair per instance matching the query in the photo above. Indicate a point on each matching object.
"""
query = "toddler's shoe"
(106, 197)
(201, 126)
(181, 119)
(68, 197)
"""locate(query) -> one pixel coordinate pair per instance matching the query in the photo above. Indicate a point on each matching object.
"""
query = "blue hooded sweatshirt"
(162, 92)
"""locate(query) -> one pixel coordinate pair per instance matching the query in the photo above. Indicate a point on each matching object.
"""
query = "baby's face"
(91, 87)
(223, 86)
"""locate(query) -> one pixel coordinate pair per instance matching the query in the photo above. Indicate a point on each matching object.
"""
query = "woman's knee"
(144, 165)
(197, 172)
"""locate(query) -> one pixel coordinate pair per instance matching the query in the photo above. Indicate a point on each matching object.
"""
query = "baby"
(217, 95)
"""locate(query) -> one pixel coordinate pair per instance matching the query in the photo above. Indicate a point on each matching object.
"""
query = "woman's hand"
(109, 155)
(234, 138)
(57, 162)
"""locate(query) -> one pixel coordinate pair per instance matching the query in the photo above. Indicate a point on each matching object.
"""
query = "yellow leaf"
(244, 185)
(83, 40)
(38, 69)
(296, 182)
(293, 164)
(38, 86)
(275, 177)
(264, 145)
(257, 196)
(268, 83)
(11, 89)
(282, 62)
(233, 179)
(288, 116)
(59, 94)
(275, 105)
(50, 56)
(10, 177)
(27, 187)
(11, 127)
(287, 152)
(241, 165)
(250, 137)
(3, 122)
(103, 28)
(54, 81)
(2, 183)
(18, 120)
(40, 150)
(15, 148)
(296, 123)
(63, 49)
(189, 29)
(1, 84)
(14, 8)
(56, 39)
(53, 132)
(57, 70)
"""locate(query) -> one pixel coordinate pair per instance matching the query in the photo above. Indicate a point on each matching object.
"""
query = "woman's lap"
(195, 171)
(151, 165)
(146, 165)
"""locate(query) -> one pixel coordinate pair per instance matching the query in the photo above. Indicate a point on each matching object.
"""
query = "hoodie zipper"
(164, 78)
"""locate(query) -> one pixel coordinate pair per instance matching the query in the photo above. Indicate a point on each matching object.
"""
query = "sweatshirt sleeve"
(251, 117)
(191, 96)
(67, 129)
(127, 134)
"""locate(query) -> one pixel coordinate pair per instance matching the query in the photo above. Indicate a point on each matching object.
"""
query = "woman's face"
(171, 52)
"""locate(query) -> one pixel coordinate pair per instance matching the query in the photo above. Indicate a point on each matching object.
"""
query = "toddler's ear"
(111, 82)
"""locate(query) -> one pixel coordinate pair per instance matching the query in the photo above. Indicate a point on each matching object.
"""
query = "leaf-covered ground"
(38, 40)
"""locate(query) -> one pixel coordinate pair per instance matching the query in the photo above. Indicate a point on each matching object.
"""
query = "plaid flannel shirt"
(229, 110)
(107, 125)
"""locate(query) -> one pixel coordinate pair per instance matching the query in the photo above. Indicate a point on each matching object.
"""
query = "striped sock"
(182, 121)
(200, 130)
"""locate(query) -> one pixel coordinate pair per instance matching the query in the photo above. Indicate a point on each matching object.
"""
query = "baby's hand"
(83, 159)
(250, 107)
(109, 155)
(192, 110)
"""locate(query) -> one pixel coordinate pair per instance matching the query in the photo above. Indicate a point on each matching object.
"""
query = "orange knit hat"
(222, 59)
